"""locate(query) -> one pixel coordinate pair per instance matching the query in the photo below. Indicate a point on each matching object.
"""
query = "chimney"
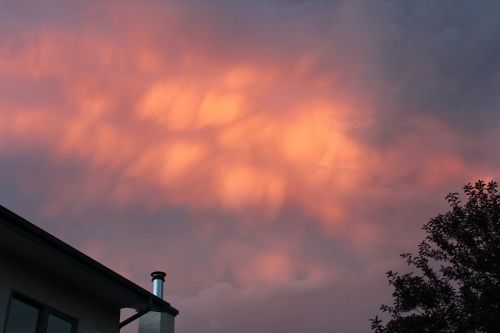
(158, 279)
(157, 322)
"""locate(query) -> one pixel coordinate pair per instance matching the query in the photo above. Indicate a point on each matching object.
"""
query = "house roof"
(25, 241)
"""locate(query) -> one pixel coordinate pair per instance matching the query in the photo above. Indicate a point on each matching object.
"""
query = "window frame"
(45, 311)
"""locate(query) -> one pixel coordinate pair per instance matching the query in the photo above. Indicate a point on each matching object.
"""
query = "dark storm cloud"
(443, 60)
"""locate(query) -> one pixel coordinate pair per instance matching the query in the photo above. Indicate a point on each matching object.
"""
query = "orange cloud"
(231, 134)
(252, 163)
(244, 147)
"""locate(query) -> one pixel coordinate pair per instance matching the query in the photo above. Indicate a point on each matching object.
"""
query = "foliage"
(455, 283)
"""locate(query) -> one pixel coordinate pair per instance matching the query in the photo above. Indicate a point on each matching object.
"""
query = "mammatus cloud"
(233, 132)
(268, 149)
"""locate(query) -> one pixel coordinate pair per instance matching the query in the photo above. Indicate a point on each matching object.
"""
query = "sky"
(274, 157)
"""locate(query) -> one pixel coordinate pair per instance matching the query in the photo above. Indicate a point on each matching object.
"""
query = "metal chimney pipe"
(158, 279)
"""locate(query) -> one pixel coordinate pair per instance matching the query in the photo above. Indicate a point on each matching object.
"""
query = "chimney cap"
(158, 275)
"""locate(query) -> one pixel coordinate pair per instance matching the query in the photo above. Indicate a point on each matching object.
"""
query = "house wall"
(93, 316)
(156, 322)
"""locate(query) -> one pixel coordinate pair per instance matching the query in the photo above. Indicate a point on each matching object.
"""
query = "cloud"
(254, 143)
(258, 150)
(316, 305)
(442, 61)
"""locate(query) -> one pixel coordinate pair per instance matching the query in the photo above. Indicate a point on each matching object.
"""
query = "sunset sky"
(274, 157)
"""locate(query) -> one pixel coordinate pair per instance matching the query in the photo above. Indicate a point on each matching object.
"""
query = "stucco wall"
(93, 316)
(156, 322)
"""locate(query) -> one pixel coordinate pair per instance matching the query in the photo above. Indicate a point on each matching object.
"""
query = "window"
(22, 318)
(27, 316)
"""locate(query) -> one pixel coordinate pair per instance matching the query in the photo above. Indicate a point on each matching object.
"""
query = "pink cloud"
(288, 153)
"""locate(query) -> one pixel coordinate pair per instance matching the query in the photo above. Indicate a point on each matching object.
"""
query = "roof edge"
(58, 247)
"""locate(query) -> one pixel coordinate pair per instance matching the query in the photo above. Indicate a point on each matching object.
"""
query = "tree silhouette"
(454, 283)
